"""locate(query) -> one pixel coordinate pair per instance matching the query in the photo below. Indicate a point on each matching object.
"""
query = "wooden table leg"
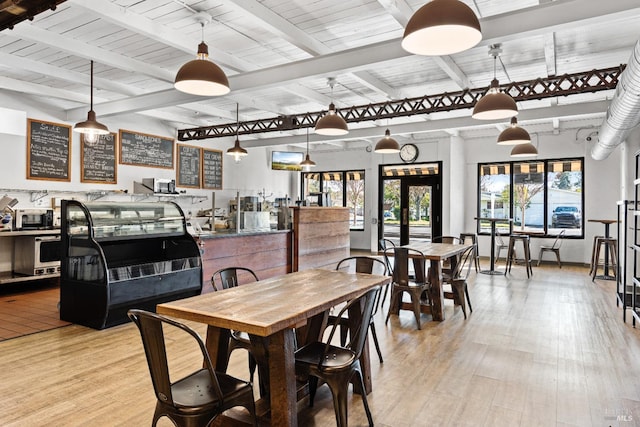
(217, 343)
(437, 294)
(282, 381)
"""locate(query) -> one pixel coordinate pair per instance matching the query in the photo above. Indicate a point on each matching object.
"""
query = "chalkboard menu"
(98, 160)
(212, 169)
(48, 151)
(188, 171)
(140, 149)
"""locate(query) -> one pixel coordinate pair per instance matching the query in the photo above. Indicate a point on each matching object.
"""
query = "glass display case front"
(104, 220)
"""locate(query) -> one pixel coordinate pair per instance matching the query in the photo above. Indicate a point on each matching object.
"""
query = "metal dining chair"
(418, 288)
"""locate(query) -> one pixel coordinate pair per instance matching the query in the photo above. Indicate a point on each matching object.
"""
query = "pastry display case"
(122, 255)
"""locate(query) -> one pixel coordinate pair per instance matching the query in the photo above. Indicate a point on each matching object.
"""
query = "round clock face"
(408, 153)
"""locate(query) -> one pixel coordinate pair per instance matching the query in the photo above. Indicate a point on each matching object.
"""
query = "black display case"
(122, 255)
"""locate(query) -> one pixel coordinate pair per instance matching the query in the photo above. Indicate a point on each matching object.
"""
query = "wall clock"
(409, 153)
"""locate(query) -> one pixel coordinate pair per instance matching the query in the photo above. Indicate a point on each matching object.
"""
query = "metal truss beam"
(541, 88)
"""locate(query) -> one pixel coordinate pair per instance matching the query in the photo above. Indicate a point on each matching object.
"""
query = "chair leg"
(540, 257)
(313, 386)
(415, 300)
(339, 393)
(364, 397)
(466, 292)
(393, 303)
(375, 341)
(252, 367)
(557, 252)
(459, 288)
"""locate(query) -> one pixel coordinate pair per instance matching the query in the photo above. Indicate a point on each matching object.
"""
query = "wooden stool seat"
(610, 245)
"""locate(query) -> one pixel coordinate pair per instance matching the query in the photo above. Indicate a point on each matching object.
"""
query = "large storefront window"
(540, 196)
(344, 188)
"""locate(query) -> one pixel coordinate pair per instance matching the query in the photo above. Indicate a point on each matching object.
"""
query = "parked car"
(389, 215)
(566, 217)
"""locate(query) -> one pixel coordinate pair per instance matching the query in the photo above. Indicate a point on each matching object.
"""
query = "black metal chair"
(198, 398)
(458, 281)
(336, 365)
(368, 265)
(472, 239)
(228, 278)
(418, 289)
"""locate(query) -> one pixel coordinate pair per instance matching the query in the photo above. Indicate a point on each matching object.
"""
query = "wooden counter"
(268, 254)
(321, 237)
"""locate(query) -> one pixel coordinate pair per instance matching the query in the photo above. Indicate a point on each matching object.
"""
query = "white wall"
(251, 176)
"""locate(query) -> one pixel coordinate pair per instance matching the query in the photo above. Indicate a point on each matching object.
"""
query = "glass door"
(410, 203)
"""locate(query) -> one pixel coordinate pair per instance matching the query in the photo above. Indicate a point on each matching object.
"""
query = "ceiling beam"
(518, 24)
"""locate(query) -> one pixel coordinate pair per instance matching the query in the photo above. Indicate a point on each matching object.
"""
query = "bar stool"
(511, 253)
(593, 253)
(610, 244)
(472, 238)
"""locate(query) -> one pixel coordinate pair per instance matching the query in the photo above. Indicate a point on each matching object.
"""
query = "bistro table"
(435, 253)
(607, 223)
(492, 270)
(269, 310)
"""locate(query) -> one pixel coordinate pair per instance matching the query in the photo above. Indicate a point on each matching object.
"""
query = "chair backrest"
(151, 330)
(463, 267)
(401, 258)
(362, 264)
(499, 240)
(468, 238)
(447, 239)
(559, 239)
(387, 246)
(358, 333)
(228, 277)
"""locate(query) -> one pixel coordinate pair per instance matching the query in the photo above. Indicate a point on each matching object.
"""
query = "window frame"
(345, 180)
(511, 208)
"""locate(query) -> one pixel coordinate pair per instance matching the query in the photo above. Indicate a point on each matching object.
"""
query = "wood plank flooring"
(547, 351)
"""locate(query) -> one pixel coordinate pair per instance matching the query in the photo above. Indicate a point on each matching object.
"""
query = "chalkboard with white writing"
(212, 169)
(98, 160)
(188, 171)
(141, 149)
(48, 151)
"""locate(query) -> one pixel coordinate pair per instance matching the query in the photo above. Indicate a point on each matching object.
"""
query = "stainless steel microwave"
(33, 219)
(160, 185)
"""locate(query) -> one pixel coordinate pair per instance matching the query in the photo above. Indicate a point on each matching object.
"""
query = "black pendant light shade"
(91, 129)
(495, 105)
(387, 144)
(307, 163)
(237, 151)
(524, 150)
(331, 123)
(514, 134)
(441, 27)
(201, 76)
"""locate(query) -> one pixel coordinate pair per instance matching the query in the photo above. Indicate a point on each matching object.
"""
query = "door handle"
(405, 216)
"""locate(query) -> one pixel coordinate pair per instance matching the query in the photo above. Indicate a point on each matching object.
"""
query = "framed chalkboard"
(48, 151)
(98, 160)
(189, 162)
(212, 169)
(141, 149)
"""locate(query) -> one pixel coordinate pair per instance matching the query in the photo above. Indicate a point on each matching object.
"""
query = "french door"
(411, 207)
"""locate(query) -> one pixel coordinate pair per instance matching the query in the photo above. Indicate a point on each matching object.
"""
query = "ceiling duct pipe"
(623, 114)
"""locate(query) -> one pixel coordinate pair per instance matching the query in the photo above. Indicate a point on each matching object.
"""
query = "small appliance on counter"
(33, 219)
(155, 185)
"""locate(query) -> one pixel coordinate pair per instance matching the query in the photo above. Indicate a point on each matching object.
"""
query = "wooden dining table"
(275, 312)
(436, 253)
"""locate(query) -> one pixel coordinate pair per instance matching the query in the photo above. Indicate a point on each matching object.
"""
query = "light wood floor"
(549, 351)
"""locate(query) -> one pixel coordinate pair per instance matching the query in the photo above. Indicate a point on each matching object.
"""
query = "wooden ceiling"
(278, 55)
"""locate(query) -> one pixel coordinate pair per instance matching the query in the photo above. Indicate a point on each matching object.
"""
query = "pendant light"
(307, 163)
(495, 105)
(91, 129)
(237, 151)
(387, 144)
(331, 123)
(514, 135)
(201, 76)
(441, 27)
(524, 150)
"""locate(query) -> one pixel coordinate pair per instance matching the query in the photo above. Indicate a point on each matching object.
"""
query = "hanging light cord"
(91, 96)
(237, 120)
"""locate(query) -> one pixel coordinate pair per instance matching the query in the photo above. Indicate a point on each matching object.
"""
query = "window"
(344, 188)
(544, 196)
